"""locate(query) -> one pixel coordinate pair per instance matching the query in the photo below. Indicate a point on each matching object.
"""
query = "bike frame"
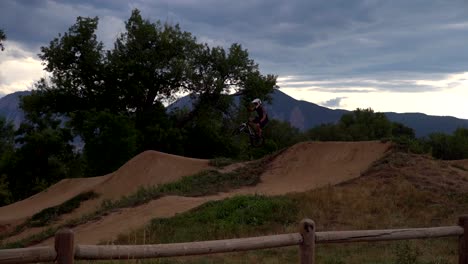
(246, 128)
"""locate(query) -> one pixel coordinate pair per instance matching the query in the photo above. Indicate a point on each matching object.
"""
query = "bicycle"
(255, 140)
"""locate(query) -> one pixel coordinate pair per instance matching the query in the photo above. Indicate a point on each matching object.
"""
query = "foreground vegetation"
(372, 202)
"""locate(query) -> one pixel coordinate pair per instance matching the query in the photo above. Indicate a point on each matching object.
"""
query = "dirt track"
(302, 167)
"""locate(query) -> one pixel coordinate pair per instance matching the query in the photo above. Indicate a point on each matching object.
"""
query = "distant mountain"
(9, 107)
(426, 124)
(301, 114)
(305, 115)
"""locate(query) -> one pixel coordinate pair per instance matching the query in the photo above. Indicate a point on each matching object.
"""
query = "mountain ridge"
(301, 114)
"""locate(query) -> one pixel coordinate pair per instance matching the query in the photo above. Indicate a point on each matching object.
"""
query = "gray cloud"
(379, 44)
(363, 85)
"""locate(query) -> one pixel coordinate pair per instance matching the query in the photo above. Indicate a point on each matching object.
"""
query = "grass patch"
(31, 240)
(204, 183)
(229, 218)
(210, 182)
(50, 215)
(221, 162)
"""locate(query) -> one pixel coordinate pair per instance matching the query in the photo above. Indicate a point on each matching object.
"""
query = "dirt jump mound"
(149, 168)
(311, 165)
(146, 169)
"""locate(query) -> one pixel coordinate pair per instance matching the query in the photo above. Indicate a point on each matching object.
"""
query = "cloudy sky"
(399, 55)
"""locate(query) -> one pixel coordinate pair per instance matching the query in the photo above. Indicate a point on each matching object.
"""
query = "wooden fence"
(65, 250)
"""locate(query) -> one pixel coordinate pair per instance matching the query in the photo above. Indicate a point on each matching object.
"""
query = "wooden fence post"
(463, 240)
(307, 248)
(65, 246)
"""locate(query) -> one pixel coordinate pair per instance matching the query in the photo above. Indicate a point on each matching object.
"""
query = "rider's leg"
(256, 127)
(261, 125)
(258, 130)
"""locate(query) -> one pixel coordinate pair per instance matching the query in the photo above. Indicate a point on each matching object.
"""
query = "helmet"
(257, 102)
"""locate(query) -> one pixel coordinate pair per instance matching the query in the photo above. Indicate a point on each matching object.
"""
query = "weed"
(406, 253)
(221, 162)
(51, 214)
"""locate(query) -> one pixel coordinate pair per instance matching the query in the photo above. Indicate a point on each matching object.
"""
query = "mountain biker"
(259, 122)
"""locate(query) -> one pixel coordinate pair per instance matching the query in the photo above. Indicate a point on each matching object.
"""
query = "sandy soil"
(300, 168)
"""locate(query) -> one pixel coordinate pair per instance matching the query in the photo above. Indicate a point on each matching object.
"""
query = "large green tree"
(216, 74)
(150, 62)
(76, 65)
(110, 141)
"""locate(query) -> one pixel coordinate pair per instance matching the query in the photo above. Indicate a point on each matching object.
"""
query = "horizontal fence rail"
(27, 255)
(387, 234)
(90, 252)
(65, 251)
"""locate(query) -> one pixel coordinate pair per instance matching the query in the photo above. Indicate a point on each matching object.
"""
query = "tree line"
(113, 102)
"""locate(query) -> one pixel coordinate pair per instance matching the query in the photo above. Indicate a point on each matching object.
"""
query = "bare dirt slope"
(146, 169)
(310, 165)
(54, 195)
(300, 168)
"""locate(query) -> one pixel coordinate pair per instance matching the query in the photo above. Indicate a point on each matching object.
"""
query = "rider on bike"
(261, 119)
